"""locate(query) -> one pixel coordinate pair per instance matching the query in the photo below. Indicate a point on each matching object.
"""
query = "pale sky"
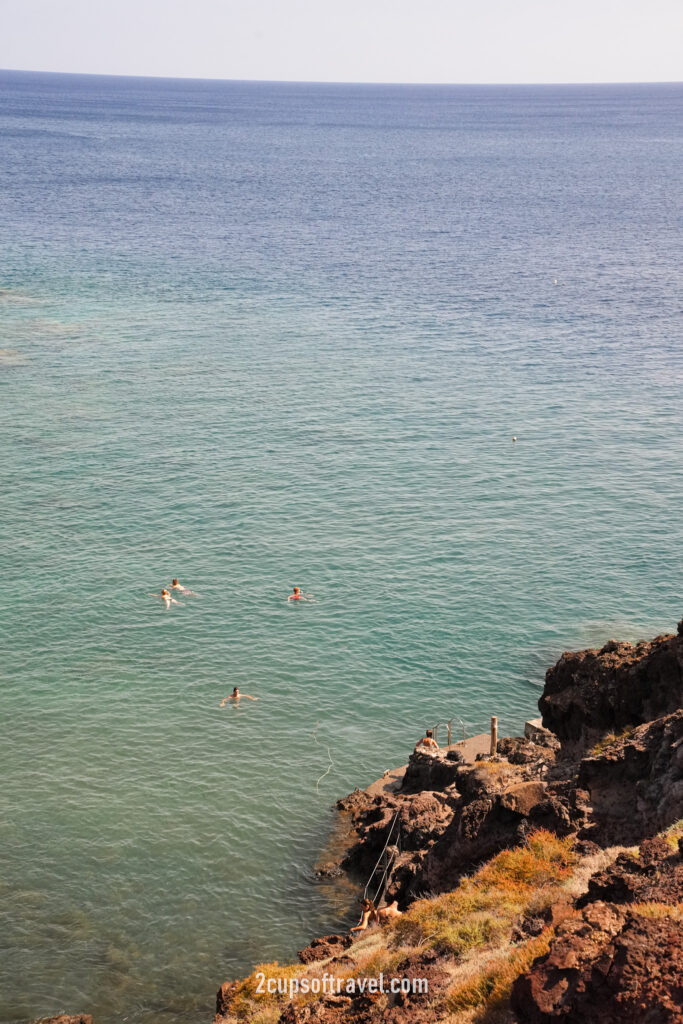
(350, 40)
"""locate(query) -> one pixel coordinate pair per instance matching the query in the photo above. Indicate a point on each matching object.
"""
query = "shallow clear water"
(257, 336)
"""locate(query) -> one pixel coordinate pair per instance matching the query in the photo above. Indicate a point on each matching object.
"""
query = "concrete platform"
(535, 731)
(392, 778)
(469, 749)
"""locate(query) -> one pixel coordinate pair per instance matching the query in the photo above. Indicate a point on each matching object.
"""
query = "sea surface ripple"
(263, 335)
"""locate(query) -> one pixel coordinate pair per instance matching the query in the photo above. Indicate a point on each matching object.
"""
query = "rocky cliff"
(575, 906)
(619, 958)
(544, 883)
(590, 693)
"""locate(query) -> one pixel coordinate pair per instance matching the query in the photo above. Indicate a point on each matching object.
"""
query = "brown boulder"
(656, 874)
(588, 693)
(423, 818)
(636, 782)
(522, 797)
(609, 966)
(65, 1018)
(327, 946)
(431, 771)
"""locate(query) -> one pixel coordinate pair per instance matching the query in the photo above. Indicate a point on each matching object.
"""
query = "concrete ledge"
(535, 731)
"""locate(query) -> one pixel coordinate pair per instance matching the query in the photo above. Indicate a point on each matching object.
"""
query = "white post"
(494, 735)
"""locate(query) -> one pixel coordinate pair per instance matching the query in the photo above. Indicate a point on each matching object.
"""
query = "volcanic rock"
(321, 949)
(65, 1018)
(588, 693)
(431, 771)
(608, 966)
(656, 873)
(636, 782)
(618, 959)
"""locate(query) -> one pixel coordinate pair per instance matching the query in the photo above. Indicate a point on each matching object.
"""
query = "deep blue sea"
(259, 335)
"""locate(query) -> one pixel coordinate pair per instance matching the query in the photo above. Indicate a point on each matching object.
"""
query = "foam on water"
(267, 335)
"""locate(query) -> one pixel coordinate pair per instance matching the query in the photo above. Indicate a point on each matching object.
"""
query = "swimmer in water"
(167, 599)
(183, 590)
(296, 595)
(236, 697)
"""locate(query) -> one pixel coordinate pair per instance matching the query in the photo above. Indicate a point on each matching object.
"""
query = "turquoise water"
(258, 336)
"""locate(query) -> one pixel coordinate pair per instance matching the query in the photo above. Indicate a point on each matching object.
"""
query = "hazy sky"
(350, 40)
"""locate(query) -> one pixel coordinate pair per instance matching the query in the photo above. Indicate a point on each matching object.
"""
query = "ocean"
(264, 335)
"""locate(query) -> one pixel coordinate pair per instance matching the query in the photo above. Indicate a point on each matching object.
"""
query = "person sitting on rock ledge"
(367, 914)
(426, 743)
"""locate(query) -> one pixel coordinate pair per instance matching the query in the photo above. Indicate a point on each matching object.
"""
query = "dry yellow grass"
(483, 909)
(470, 927)
(246, 1000)
(381, 960)
(270, 1015)
(577, 882)
(673, 833)
(659, 911)
(489, 990)
(611, 737)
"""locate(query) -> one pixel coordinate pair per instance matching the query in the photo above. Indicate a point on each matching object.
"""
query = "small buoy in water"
(514, 438)
(555, 281)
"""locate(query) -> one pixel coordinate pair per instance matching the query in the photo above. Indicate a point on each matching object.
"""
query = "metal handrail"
(449, 723)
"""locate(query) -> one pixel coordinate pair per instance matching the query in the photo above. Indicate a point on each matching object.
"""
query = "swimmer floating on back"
(236, 697)
(185, 591)
(297, 595)
(167, 599)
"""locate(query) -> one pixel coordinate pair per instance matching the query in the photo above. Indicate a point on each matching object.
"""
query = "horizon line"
(314, 81)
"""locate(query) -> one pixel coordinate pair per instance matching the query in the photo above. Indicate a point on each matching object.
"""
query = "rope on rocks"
(392, 854)
(330, 765)
(389, 835)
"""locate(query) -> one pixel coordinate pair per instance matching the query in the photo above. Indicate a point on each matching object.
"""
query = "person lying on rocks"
(426, 743)
(385, 914)
(370, 915)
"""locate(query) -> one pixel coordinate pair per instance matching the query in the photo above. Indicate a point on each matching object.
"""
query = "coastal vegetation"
(476, 941)
(542, 883)
(610, 739)
(470, 929)
(519, 872)
(483, 908)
